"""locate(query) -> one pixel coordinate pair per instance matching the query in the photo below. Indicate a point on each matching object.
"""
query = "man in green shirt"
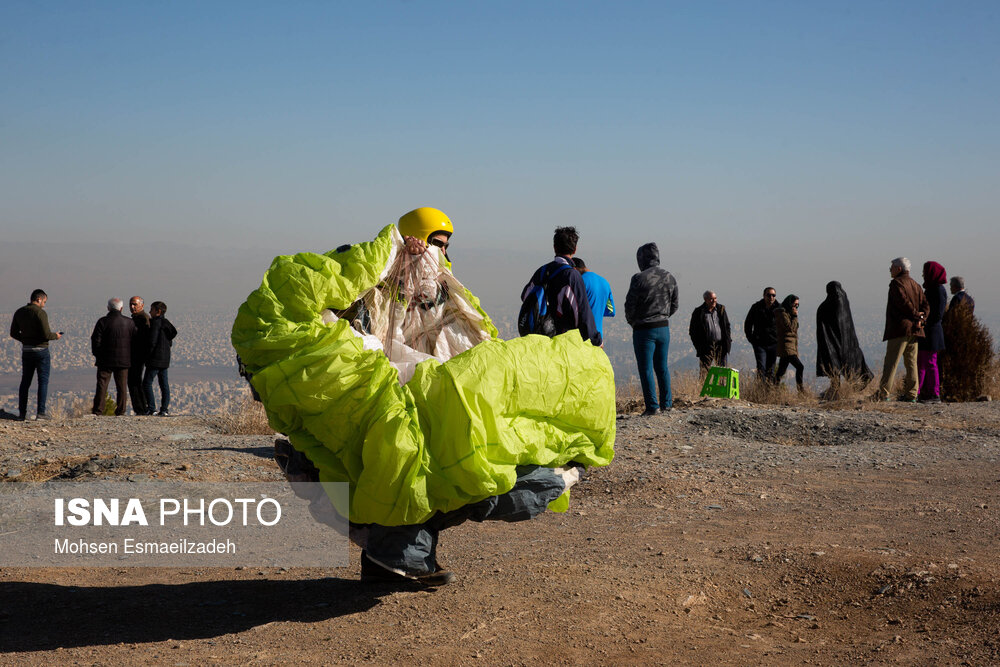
(30, 326)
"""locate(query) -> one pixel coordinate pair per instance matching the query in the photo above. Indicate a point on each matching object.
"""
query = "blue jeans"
(147, 389)
(34, 359)
(413, 549)
(651, 347)
(765, 357)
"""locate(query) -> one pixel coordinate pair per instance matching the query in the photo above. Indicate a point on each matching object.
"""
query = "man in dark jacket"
(140, 347)
(959, 296)
(649, 304)
(30, 327)
(161, 336)
(759, 329)
(111, 344)
(565, 292)
(710, 332)
(905, 313)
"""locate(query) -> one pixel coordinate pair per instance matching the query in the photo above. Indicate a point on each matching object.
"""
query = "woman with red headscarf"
(928, 347)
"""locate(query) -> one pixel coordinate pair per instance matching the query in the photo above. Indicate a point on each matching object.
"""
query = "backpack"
(534, 317)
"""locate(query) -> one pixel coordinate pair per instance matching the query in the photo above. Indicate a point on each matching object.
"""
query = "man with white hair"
(905, 314)
(111, 344)
(959, 296)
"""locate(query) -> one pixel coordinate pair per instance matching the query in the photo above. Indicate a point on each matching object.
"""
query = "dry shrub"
(244, 417)
(64, 408)
(755, 390)
(628, 397)
(686, 385)
(850, 388)
(967, 364)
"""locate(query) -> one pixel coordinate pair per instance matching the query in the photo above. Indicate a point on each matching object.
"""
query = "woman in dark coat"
(928, 376)
(838, 351)
(786, 322)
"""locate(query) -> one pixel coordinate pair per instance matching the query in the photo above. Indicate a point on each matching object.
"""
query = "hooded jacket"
(787, 325)
(837, 348)
(652, 294)
(905, 309)
(937, 300)
(111, 341)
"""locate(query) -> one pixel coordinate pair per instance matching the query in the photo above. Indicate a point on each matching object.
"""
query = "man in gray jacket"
(651, 300)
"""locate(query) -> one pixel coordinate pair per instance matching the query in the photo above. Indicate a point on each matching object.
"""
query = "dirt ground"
(723, 533)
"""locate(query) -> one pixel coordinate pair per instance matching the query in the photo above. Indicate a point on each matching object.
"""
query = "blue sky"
(757, 142)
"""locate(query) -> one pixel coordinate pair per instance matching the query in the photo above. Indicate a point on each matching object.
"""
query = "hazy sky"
(785, 143)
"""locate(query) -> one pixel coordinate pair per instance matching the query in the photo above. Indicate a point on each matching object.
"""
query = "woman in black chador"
(837, 349)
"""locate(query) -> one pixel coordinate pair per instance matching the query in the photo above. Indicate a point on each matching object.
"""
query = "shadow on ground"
(262, 452)
(43, 617)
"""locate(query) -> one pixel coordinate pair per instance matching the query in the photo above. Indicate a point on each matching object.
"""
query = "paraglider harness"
(534, 317)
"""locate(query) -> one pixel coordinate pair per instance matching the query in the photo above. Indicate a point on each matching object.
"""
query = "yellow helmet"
(424, 221)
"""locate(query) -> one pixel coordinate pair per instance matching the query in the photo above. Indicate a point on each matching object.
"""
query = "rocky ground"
(723, 533)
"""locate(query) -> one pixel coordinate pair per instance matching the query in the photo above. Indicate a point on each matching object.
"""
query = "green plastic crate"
(721, 383)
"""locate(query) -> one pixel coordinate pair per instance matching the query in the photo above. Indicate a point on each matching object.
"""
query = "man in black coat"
(161, 336)
(760, 331)
(710, 332)
(111, 344)
(140, 348)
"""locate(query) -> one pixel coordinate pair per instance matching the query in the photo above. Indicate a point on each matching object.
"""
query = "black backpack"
(534, 317)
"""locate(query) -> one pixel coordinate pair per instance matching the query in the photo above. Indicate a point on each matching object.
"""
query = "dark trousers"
(783, 364)
(121, 381)
(135, 389)
(413, 549)
(651, 347)
(765, 357)
(33, 359)
(147, 389)
(713, 356)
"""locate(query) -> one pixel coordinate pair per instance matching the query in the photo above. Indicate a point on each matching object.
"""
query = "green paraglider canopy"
(470, 409)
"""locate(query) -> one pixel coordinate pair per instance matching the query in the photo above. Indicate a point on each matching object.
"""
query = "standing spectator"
(111, 344)
(838, 351)
(760, 331)
(161, 336)
(602, 303)
(565, 293)
(30, 327)
(649, 304)
(960, 296)
(905, 311)
(928, 375)
(710, 332)
(140, 347)
(786, 322)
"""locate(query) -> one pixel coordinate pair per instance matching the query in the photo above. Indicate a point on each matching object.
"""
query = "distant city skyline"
(173, 149)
